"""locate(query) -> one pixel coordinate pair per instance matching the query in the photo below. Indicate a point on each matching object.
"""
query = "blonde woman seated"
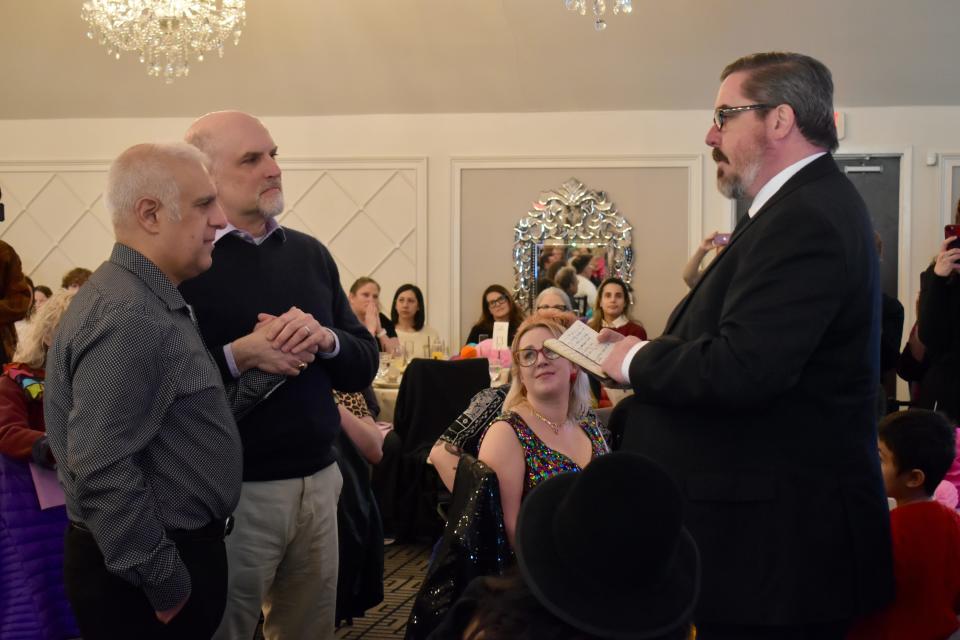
(547, 427)
(467, 431)
(409, 317)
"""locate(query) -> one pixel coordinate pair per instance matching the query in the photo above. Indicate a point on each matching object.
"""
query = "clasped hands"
(283, 344)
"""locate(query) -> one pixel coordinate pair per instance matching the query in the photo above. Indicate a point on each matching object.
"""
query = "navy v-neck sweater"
(288, 435)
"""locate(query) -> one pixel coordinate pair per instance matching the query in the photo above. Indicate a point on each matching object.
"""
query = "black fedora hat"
(605, 549)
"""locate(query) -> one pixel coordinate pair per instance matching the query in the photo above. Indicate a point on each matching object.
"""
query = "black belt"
(217, 529)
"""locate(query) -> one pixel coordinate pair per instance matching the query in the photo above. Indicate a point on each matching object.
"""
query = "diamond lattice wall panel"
(22, 187)
(325, 208)
(394, 208)
(292, 220)
(55, 218)
(51, 269)
(360, 247)
(87, 185)
(56, 208)
(370, 213)
(87, 243)
(362, 185)
(99, 210)
(28, 240)
(409, 248)
(394, 271)
(296, 184)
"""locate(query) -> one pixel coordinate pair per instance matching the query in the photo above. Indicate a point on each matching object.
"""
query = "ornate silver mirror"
(569, 221)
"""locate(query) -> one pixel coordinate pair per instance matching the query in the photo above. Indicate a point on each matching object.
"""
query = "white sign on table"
(500, 332)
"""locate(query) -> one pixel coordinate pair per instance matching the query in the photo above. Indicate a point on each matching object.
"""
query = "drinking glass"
(494, 366)
(384, 365)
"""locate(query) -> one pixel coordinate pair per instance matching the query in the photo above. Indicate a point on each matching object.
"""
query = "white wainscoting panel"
(371, 214)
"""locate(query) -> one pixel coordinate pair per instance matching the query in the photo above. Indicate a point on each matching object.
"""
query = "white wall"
(442, 138)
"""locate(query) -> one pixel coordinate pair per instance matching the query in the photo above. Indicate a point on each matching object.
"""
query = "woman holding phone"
(938, 327)
(692, 271)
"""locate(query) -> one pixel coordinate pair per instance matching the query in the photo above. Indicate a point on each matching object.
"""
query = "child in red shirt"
(916, 449)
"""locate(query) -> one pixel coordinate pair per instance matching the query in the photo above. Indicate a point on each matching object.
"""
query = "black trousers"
(110, 608)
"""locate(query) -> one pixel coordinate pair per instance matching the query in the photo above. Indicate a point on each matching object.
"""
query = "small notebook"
(579, 345)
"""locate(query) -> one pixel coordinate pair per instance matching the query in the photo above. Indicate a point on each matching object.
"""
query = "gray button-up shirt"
(140, 423)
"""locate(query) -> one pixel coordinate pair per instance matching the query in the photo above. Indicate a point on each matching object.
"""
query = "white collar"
(777, 181)
(270, 226)
(616, 324)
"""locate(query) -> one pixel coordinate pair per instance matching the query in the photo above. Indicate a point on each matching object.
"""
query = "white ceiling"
(318, 57)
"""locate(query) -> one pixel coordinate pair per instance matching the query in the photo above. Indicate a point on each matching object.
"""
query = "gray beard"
(735, 187)
(271, 208)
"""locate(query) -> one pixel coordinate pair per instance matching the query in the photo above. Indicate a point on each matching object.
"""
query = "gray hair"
(804, 83)
(556, 291)
(146, 171)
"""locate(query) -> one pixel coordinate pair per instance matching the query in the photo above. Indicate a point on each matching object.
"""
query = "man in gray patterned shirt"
(138, 416)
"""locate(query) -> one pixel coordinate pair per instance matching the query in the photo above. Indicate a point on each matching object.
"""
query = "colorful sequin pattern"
(542, 462)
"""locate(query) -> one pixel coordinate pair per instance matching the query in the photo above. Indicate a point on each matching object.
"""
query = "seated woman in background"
(41, 293)
(613, 310)
(498, 306)
(364, 299)
(552, 298)
(409, 316)
(547, 427)
(22, 429)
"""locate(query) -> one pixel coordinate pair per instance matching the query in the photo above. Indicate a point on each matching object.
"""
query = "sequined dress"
(542, 462)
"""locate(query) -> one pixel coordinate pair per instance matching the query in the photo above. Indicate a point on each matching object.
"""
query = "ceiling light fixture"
(599, 9)
(167, 34)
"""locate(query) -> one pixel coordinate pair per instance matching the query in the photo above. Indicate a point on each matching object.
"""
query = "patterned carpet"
(404, 568)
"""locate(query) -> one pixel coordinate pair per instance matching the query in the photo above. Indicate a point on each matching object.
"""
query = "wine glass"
(384, 365)
(495, 368)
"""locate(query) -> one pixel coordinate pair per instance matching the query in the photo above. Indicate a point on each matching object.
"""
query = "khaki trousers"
(282, 557)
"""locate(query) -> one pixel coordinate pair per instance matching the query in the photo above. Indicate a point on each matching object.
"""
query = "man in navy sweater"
(283, 553)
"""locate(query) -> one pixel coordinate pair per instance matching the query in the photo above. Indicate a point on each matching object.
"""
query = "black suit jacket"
(759, 398)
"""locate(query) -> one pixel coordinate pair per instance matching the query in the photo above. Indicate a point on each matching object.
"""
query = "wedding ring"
(302, 366)
(307, 329)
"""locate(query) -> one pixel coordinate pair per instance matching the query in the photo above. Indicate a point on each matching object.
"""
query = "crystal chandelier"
(599, 9)
(167, 34)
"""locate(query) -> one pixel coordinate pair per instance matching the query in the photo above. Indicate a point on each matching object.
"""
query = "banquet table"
(387, 398)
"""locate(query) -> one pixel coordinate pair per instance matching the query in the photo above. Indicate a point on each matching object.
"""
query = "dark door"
(877, 178)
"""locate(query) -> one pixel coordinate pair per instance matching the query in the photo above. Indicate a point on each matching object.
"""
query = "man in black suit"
(759, 397)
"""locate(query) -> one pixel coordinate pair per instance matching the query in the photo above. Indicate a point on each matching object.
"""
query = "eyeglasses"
(557, 307)
(496, 302)
(528, 357)
(720, 115)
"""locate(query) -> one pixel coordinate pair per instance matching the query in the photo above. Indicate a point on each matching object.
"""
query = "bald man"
(138, 417)
(284, 558)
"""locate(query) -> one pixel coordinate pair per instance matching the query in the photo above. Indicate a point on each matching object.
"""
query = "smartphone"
(952, 231)
(721, 239)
